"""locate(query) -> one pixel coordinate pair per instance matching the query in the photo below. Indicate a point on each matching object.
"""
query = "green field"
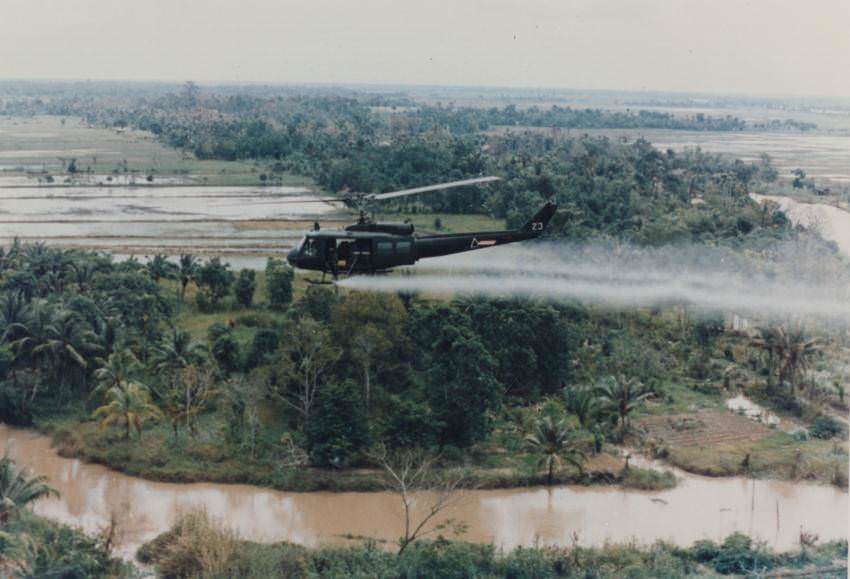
(45, 145)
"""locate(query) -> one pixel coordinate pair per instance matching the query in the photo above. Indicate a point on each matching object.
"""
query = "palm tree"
(176, 351)
(17, 490)
(116, 371)
(771, 340)
(187, 269)
(799, 351)
(789, 353)
(84, 271)
(160, 268)
(554, 443)
(130, 405)
(582, 402)
(622, 395)
(29, 337)
(14, 309)
(69, 345)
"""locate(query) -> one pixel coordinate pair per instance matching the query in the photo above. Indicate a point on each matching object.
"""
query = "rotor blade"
(438, 187)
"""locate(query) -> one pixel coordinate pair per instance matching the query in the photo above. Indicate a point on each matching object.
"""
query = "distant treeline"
(469, 120)
(628, 190)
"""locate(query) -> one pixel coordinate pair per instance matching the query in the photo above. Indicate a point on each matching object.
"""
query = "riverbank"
(180, 551)
(745, 448)
(697, 508)
(158, 457)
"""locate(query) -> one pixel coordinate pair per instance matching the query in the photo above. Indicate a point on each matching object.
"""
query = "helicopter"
(370, 246)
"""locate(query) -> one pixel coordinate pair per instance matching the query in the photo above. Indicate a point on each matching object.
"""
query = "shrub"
(338, 428)
(279, 283)
(265, 342)
(738, 555)
(825, 427)
(243, 289)
(196, 546)
(255, 320)
(648, 479)
(226, 352)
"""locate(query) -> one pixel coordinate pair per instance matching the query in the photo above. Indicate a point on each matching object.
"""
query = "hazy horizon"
(722, 47)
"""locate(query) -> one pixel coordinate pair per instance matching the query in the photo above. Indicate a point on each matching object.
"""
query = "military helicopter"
(370, 246)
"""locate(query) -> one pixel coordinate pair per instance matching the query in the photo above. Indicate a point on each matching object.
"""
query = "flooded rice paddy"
(238, 221)
(700, 507)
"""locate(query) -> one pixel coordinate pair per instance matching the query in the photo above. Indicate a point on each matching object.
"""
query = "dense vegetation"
(95, 350)
(199, 547)
(34, 547)
(187, 370)
(626, 189)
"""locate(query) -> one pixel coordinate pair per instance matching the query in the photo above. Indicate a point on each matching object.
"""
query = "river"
(698, 508)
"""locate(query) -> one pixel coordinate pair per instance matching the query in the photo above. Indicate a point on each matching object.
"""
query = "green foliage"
(825, 427)
(621, 396)
(214, 279)
(279, 283)
(409, 423)
(338, 429)
(49, 549)
(18, 489)
(185, 551)
(226, 352)
(739, 555)
(529, 342)
(130, 404)
(318, 302)
(217, 330)
(647, 479)
(159, 267)
(458, 374)
(244, 287)
(264, 343)
(555, 444)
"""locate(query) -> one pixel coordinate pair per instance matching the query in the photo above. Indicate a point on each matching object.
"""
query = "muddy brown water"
(698, 508)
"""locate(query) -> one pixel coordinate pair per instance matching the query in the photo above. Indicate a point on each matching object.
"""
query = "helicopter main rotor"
(358, 200)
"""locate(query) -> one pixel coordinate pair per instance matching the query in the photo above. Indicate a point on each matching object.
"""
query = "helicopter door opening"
(344, 255)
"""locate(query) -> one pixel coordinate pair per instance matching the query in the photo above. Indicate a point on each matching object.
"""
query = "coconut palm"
(582, 402)
(187, 269)
(771, 340)
(130, 405)
(160, 268)
(553, 442)
(116, 371)
(14, 309)
(176, 350)
(17, 490)
(621, 395)
(84, 271)
(28, 337)
(789, 353)
(799, 351)
(70, 345)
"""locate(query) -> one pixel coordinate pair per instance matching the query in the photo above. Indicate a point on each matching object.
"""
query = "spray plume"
(785, 280)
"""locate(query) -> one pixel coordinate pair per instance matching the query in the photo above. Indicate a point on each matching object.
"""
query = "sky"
(760, 47)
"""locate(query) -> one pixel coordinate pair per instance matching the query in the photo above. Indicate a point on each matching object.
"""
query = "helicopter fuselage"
(373, 247)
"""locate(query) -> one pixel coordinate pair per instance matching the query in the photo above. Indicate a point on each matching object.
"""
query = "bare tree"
(307, 355)
(193, 390)
(424, 492)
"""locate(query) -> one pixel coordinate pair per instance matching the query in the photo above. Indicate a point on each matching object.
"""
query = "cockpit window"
(309, 248)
